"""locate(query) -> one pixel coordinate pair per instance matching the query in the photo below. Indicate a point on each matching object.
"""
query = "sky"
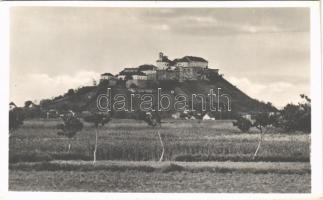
(265, 52)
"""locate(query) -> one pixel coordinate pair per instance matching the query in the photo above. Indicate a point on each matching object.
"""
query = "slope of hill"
(85, 99)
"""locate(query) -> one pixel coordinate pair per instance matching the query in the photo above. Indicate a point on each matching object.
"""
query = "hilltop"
(189, 77)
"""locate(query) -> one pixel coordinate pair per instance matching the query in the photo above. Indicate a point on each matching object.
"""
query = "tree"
(297, 117)
(16, 117)
(133, 86)
(94, 83)
(28, 103)
(70, 92)
(70, 127)
(243, 124)
(262, 121)
(44, 103)
(97, 119)
(153, 119)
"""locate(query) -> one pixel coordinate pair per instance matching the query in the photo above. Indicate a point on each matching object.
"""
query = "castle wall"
(192, 64)
(197, 64)
(167, 75)
(191, 73)
(151, 74)
(182, 64)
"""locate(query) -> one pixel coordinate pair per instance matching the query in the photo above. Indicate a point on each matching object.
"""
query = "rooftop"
(147, 67)
(107, 74)
(190, 59)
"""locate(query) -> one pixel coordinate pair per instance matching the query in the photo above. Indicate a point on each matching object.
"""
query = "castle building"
(163, 62)
(180, 69)
(187, 61)
(106, 76)
(185, 68)
(191, 61)
(127, 73)
(149, 70)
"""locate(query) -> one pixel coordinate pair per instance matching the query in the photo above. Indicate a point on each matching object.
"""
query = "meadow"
(135, 141)
(37, 154)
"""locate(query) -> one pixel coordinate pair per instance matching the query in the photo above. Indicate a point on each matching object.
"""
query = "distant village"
(179, 69)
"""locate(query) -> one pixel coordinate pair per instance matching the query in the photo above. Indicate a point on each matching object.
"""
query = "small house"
(207, 117)
(176, 115)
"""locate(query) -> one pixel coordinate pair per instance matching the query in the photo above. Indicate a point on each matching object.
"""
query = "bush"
(297, 117)
(172, 168)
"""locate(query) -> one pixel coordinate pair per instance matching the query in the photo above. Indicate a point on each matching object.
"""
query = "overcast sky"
(263, 51)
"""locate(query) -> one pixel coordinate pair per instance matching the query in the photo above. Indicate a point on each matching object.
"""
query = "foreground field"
(207, 156)
(132, 140)
(161, 177)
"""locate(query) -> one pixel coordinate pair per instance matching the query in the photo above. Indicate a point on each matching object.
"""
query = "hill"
(85, 98)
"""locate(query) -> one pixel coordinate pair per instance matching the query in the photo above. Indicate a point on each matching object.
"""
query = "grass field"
(36, 154)
(134, 140)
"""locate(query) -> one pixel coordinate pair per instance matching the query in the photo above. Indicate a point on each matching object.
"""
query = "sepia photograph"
(161, 99)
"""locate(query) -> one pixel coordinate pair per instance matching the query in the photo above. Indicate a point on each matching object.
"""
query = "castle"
(179, 69)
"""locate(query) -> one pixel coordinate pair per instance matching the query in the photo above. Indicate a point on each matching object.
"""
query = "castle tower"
(161, 55)
(163, 62)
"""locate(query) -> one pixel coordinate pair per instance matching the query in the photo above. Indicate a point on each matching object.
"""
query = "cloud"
(47, 43)
(40, 86)
(230, 20)
(162, 27)
(279, 93)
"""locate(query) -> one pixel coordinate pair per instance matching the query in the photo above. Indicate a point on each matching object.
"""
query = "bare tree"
(97, 119)
(69, 128)
(262, 121)
(153, 119)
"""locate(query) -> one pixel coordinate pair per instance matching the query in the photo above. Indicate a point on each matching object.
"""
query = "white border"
(316, 94)
(4, 98)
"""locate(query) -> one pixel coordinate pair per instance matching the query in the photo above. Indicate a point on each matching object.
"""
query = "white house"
(207, 117)
(176, 115)
(139, 76)
(247, 116)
